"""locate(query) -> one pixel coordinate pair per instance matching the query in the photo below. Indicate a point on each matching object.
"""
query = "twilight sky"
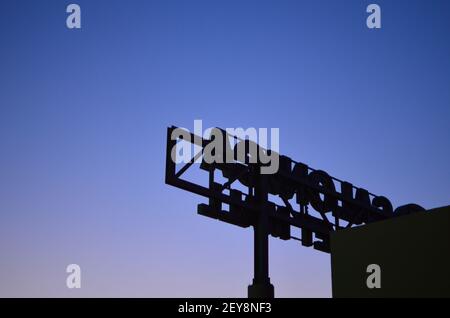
(83, 117)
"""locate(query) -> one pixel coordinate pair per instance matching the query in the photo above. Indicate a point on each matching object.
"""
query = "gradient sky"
(83, 117)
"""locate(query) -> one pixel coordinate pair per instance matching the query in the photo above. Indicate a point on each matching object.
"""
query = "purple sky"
(83, 117)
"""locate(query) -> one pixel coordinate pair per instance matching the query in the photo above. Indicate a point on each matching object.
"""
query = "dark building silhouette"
(412, 252)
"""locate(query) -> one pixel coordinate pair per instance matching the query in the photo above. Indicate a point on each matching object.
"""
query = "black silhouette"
(309, 187)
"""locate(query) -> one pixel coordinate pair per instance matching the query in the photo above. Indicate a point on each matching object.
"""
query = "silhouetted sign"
(292, 190)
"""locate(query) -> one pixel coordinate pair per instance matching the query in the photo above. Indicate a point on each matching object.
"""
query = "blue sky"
(83, 117)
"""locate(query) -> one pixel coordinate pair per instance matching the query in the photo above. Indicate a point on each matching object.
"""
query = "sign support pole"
(261, 287)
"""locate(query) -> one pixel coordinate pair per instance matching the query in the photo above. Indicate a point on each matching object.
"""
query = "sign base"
(258, 290)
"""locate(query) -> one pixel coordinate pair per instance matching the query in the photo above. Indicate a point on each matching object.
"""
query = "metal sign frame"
(311, 187)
